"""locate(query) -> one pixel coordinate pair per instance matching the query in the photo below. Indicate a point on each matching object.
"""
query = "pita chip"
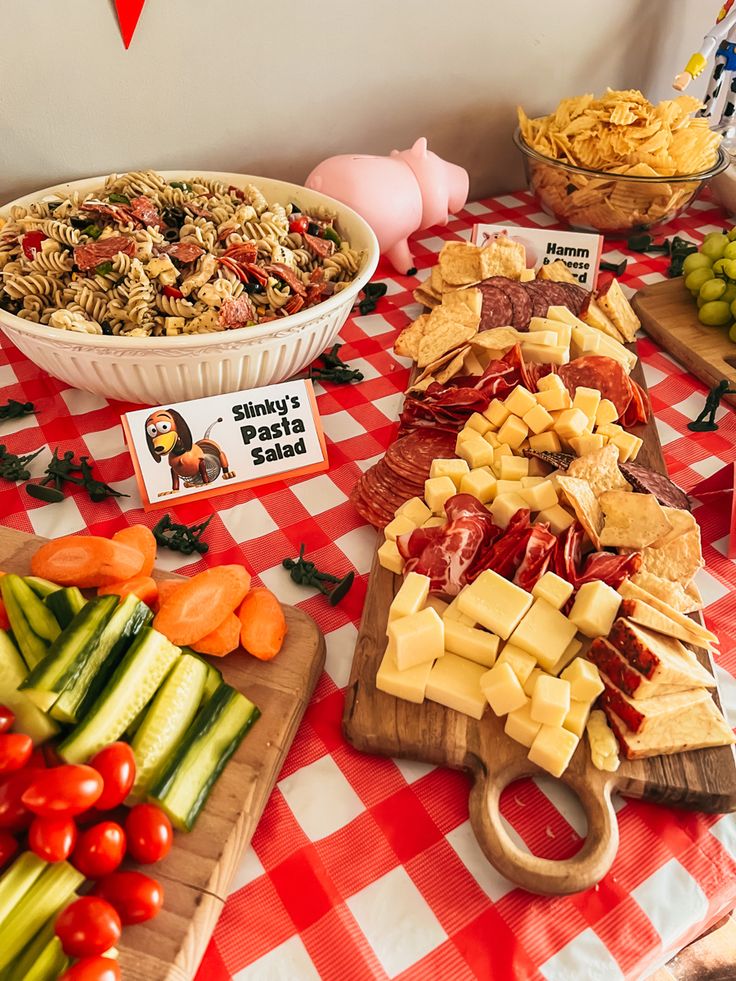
(583, 502)
(673, 593)
(464, 305)
(600, 469)
(443, 333)
(631, 520)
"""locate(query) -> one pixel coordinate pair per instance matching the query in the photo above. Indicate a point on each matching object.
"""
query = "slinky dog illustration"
(167, 434)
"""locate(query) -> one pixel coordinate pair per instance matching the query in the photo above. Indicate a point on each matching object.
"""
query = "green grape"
(711, 235)
(729, 294)
(732, 333)
(699, 302)
(719, 267)
(729, 267)
(714, 246)
(697, 261)
(696, 279)
(731, 233)
(712, 289)
(733, 308)
(715, 314)
(730, 251)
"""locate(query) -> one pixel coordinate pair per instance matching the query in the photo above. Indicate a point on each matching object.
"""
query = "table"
(364, 867)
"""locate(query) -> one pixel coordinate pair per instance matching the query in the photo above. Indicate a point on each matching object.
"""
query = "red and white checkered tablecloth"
(363, 867)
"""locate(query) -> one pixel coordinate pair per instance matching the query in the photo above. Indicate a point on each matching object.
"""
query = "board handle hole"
(552, 819)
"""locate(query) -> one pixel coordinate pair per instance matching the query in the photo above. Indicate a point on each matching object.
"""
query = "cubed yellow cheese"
(537, 420)
(569, 654)
(411, 597)
(585, 681)
(492, 439)
(502, 689)
(399, 526)
(513, 432)
(587, 400)
(481, 483)
(556, 517)
(415, 510)
(390, 558)
(454, 469)
(439, 606)
(531, 681)
(514, 467)
(520, 401)
(508, 486)
(478, 422)
(499, 452)
(577, 717)
(497, 413)
(520, 726)
(409, 685)
(628, 446)
(505, 506)
(455, 683)
(437, 490)
(540, 496)
(554, 399)
(550, 700)
(538, 468)
(531, 480)
(453, 613)
(476, 451)
(606, 412)
(542, 324)
(495, 603)
(553, 748)
(436, 521)
(595, 608)
(543, 632)
(610, 429)
(545, 338)
(588, 443)
(582, 343)
(416, 638)
(548, 442)
(539, 354)
(553, 589)
(603, 744)
(522, 664)
(571, 422)
(470, 642)
(551, 382)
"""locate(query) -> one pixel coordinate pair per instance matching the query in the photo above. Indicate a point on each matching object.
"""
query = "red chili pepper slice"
(172, 291)
(31, 243)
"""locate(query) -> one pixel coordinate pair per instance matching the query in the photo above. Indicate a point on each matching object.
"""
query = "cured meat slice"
(496, 309)
(91, 254)
(539, 300)
(610, 568)
(577, 296)
(237, 312)
(646, 481)
(521, 304)
(601, 372)
(145, 210)
(505, 555)
(540, 550)
(289, 277)
(184, 251)
(320, 246)
(639, 409)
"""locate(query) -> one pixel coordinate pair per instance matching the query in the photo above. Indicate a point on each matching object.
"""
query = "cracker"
(435, 281)
(464, 305)
(557, 272)
(406, 344)
(502, 257)
(584, 503)
(459, 264)
(426, 298)
(678, 554)
(498, 339)
(600, 469)
(631, 520)
(669, 592)
(455, 365)
(442, 334)
(619, 311)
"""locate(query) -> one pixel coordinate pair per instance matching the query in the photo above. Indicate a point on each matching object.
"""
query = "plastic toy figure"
(706, 421)
(723, 38)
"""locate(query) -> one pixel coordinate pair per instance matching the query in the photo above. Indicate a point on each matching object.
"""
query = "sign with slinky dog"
(223, 443)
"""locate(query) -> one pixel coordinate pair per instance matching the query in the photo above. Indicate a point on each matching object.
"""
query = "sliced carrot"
(140, 537)
(224, 639)
(262, 624)
(202, 603)
(166, 587)
(86, 560)
(4, 622)
(143, 587)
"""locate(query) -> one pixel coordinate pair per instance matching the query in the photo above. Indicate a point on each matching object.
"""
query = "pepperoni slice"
(237, 312)
(145, 210)
(601, 372)
(91, 254)
(320, 246)
(184, 251)
(289, 277)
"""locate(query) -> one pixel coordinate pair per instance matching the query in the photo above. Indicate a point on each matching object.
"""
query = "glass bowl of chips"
(610, 203)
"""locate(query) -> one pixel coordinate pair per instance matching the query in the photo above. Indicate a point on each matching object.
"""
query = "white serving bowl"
(154, 370)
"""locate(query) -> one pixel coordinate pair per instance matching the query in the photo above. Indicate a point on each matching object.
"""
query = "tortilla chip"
(435, 281)
(406, 344)
(434, 366)
(455, 366)
(426, 298)
(460, 264)
(669, 592)
(502, 257)
(583, 502)
(631, 520)
(600, 469)
(442, 333)
(464, 305)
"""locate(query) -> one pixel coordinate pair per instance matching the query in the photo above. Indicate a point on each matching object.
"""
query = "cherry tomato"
(31, 243)
(116, 765)
(52, 838)
(7, 716)
(93, 969)
(88, 927)
(298, 223)
(149, 834)
(68, 789)
(15, 751)
(4, 621)
(8, 847)
(135, 896)
(100, 849)
(14, 815)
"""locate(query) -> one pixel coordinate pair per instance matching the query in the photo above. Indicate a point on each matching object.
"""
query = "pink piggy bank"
(396, 195)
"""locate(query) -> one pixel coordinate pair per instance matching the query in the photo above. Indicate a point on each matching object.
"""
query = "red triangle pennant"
(713, 491)
(128, 13)
(722, 480)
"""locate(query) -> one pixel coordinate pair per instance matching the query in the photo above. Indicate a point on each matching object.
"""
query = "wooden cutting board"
(198, 871)
(668, 314)
(375, 722)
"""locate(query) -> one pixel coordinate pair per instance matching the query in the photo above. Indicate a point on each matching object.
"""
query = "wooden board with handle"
(375, 722)
(669, 315)
(198, 871)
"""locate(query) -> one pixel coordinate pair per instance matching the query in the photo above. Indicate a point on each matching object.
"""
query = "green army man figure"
(706, 421)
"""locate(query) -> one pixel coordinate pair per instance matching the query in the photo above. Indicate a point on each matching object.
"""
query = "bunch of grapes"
(710, 275)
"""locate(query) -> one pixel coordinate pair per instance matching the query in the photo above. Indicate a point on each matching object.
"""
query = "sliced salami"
(576, 296)
(601, 372)
(184, 251)
(145, 210)
(497, 309)
(289, 277)
(91, 254)
(539, 301)
(521, 304)
(647, 481)
(236, 313)
(320, 246)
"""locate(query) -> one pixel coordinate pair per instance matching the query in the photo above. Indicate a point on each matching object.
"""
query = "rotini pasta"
(144, 256)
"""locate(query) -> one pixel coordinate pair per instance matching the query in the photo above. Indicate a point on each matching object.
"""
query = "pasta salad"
(146, 256)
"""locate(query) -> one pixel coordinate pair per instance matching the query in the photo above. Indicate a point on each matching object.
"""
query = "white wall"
(271, 87)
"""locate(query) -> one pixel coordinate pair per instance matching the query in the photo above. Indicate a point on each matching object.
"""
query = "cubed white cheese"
(553, 589)
(553, 748)
(502, 689)
(522, 663)
(540, 496)
(514, 467)
(520, 401)
(543, 632)
(454, 469)
(437, 490)
(495, 603)
(595, 608)
(455, 683)
(401, 525)
(481, 483)
(470, 642)
(520, 725)
(585, 680)
(415, 510)
(410, 598)
(390, 558)
(416, 638)
(409, 685)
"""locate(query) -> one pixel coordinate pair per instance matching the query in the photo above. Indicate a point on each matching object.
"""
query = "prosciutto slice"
(540, 551)
(91, 254)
